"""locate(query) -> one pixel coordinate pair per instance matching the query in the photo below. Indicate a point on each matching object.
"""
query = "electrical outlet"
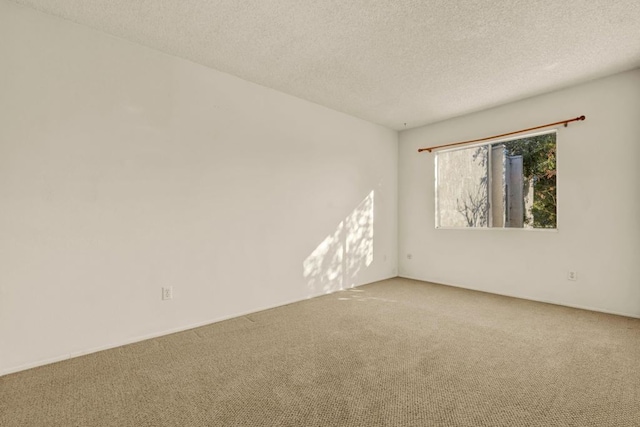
(572, 275)
(167, 292)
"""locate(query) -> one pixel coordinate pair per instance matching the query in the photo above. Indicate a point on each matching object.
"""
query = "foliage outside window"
(508, 184)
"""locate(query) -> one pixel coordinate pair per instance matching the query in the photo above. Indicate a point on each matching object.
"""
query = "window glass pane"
(507, 184)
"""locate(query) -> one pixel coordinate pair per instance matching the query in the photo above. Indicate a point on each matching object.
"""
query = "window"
(506, 184)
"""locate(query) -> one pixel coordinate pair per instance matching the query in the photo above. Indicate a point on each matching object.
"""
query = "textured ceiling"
(389, 62)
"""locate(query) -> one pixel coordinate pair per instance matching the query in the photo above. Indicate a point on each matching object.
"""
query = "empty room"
(297, 213)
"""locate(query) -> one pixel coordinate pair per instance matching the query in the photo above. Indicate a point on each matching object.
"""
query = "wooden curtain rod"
(565, 122)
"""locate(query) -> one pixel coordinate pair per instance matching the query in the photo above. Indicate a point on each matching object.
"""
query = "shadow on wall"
(341, 256)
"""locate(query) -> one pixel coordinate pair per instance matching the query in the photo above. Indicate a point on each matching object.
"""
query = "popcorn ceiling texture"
(388, 62)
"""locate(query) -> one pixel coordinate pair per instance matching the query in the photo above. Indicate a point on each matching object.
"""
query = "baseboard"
(117, 344)
(163, 333)
(528, 298)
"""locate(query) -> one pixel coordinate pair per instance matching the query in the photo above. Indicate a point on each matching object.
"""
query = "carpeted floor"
(393, 353)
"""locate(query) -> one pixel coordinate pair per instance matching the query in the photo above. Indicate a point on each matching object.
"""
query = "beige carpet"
(393, 353)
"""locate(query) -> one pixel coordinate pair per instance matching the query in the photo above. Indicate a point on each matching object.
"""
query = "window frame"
(437, 225)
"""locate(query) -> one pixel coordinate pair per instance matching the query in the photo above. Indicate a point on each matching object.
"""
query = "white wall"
(123, 170)
(598, 204)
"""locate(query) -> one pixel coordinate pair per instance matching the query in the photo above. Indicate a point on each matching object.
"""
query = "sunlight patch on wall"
(336, 262)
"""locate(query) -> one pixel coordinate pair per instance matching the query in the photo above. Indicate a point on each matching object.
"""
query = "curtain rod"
(565, 122)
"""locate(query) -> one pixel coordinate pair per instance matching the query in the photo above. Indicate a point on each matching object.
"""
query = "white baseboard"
(139, 338)
(528, 298)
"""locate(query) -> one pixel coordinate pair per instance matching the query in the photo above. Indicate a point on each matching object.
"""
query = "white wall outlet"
(167, 293)
(409, 256)
(572, 275)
